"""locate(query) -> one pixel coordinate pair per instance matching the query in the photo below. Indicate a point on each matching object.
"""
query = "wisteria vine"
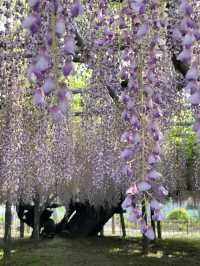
(143, 112)
(125, 50)
(51, 23)
(186, 33)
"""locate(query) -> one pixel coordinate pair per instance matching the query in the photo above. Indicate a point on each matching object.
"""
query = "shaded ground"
(104, 252)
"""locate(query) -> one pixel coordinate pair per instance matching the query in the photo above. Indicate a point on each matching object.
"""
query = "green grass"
(104, 252)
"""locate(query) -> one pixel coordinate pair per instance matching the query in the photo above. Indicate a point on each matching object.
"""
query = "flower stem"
(141, 89)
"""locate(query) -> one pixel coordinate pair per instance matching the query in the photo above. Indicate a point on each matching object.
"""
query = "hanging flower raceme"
(54, 39)
(187, 33)
(142, 113)
(99, 172)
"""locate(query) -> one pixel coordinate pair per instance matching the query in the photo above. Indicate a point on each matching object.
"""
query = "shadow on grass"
(106, 251)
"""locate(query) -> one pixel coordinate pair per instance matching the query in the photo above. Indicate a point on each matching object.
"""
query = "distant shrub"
(179, 214)
(1, 220)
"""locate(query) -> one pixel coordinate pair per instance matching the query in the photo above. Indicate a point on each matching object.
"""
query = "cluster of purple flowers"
(187, 33)
(47, 22)
(142, 113)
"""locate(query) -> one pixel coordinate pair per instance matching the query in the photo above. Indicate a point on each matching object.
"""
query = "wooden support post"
(21, 229)
(122, 223)
(102, 232)
(145, 240)
(159, 230)
(36, 229)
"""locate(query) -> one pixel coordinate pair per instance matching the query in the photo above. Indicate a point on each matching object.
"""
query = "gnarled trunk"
(7, 234)
(81, 220)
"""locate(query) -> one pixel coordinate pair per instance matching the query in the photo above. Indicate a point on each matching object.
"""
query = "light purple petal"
(188, 40)
(195, 98)
(127, 137)
(126, 116)
(31, 73)
(127, 202)
(42, 63)
(132, 217)
(163, 190)
(177, 35)
(185, 55)
(156, 148)
(142, 31)
(76, 9)
(192, 74)
(60, 26)
(158, 215)
(130, 104)
(149, 233)
(63, 106)
(155, 204)
(38, 97)
(127, 154)
(186, 8)
(137, 138)
(143, 186)
(48, 86)
(153, 158)
(153, 175)
(67, 69)
(132, 190)
(32, 23)
(198, 134)
(135, 122)
(29, 21)
(69, 46)
(33, 3)
(127, 171)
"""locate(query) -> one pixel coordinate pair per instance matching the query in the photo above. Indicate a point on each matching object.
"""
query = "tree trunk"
(113, 225)
(21, 229)
(122, 223)
(36, 228)
(145, 240)
(159, 230)
(84, 220)
(7, 234)
(153, 224)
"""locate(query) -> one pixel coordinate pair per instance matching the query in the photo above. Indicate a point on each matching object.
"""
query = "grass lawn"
(104, 252)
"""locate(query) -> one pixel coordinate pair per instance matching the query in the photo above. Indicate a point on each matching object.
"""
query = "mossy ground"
(106, 251)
